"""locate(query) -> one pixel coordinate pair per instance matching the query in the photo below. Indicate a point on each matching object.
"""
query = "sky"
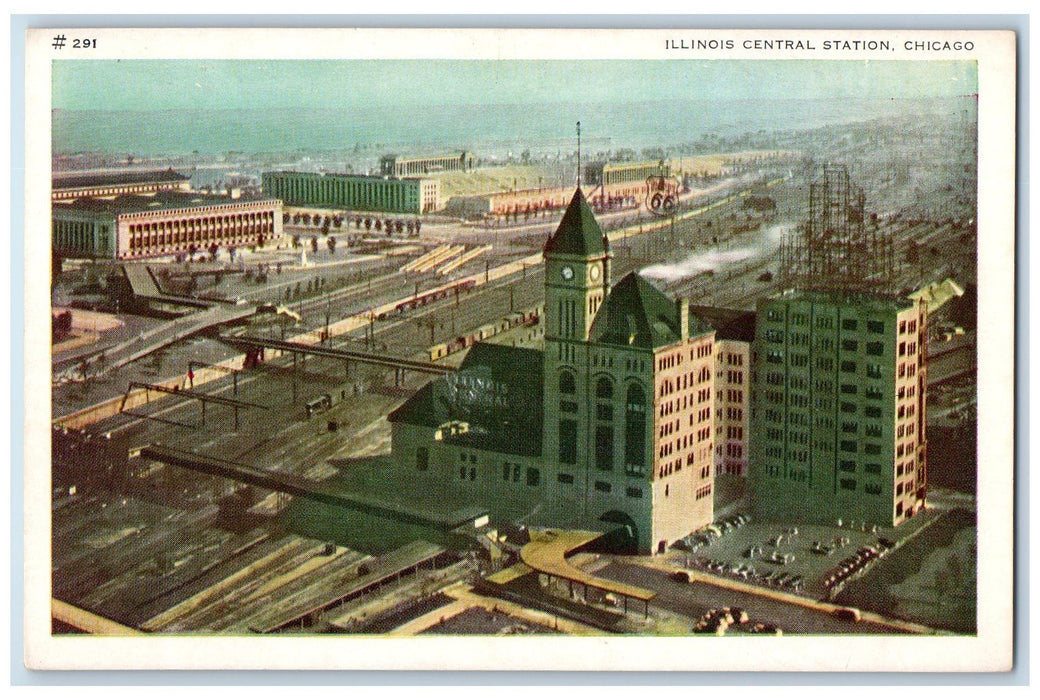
(224, 84)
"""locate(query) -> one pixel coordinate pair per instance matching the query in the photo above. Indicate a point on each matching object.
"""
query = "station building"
(353, 192)
(66, 187)
(130, 227)
(393, 165)
(609, 427)
(838, 408)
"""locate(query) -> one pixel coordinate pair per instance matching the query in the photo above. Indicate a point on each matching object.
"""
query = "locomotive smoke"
(718, 257)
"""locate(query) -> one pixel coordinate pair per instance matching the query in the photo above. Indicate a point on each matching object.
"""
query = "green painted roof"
(497, 391)
(638, 313)
(578, 233)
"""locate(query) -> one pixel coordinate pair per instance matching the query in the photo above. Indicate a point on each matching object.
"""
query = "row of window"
(604, 389)
(684, 381)
(607, 487)
(827, 322)
(673, 359)
(633, 365)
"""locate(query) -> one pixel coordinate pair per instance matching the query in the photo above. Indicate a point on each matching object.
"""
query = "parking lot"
(798, 559)
(694, 601)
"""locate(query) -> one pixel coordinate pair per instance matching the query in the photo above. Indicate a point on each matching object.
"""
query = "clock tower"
(577, 274)
(577, 279)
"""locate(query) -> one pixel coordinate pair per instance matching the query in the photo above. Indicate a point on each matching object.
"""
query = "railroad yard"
(167, 549)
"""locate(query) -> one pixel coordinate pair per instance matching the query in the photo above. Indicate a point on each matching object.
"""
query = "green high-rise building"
(838, 408)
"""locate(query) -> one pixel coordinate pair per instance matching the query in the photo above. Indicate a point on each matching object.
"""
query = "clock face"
(567, 272)
(594, 272)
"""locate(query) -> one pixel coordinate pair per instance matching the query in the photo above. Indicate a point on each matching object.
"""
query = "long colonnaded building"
(354, 192)
(609, 427)
(112, 184)
(130, 227)
(838, 408)
(612, 185)
(603, 173)
(397, 166)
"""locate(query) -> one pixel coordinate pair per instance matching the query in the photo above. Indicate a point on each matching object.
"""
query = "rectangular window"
(847, 407)
(848, 324)
(847, 465)
(569, 441)
(533, 477)
(848, 484)
(876, 349)
(872, 449)
(604, 447)
(422, 459)
(604, 412)
(565, 478)
(848, 445)
(568, 406)
(848, 366)
(873, 468)
(849, 345)
(872, 489)
(876, 326)
(603, 486)
(634, 492)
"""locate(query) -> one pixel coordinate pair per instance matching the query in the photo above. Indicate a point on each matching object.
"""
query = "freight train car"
(428, 298)
(514, 320)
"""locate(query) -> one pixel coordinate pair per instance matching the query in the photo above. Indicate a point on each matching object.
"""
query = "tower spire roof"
(578, 233)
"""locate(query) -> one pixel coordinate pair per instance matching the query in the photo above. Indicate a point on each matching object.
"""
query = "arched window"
(635, 429)
(604, 388)
(566, 382)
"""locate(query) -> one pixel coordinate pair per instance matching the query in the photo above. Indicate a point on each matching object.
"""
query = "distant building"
(610, 427)
(393, 165)
(353, 192)
(605, 174)
(838, 408)
(167, 223)
(734, 332)
(112, 184)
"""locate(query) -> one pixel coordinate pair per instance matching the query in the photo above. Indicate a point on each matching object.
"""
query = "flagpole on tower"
(578, 180)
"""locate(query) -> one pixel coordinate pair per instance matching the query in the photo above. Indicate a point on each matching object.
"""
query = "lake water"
(492, 131)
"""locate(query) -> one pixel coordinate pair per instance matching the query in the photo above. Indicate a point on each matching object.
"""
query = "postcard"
(519, 349)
